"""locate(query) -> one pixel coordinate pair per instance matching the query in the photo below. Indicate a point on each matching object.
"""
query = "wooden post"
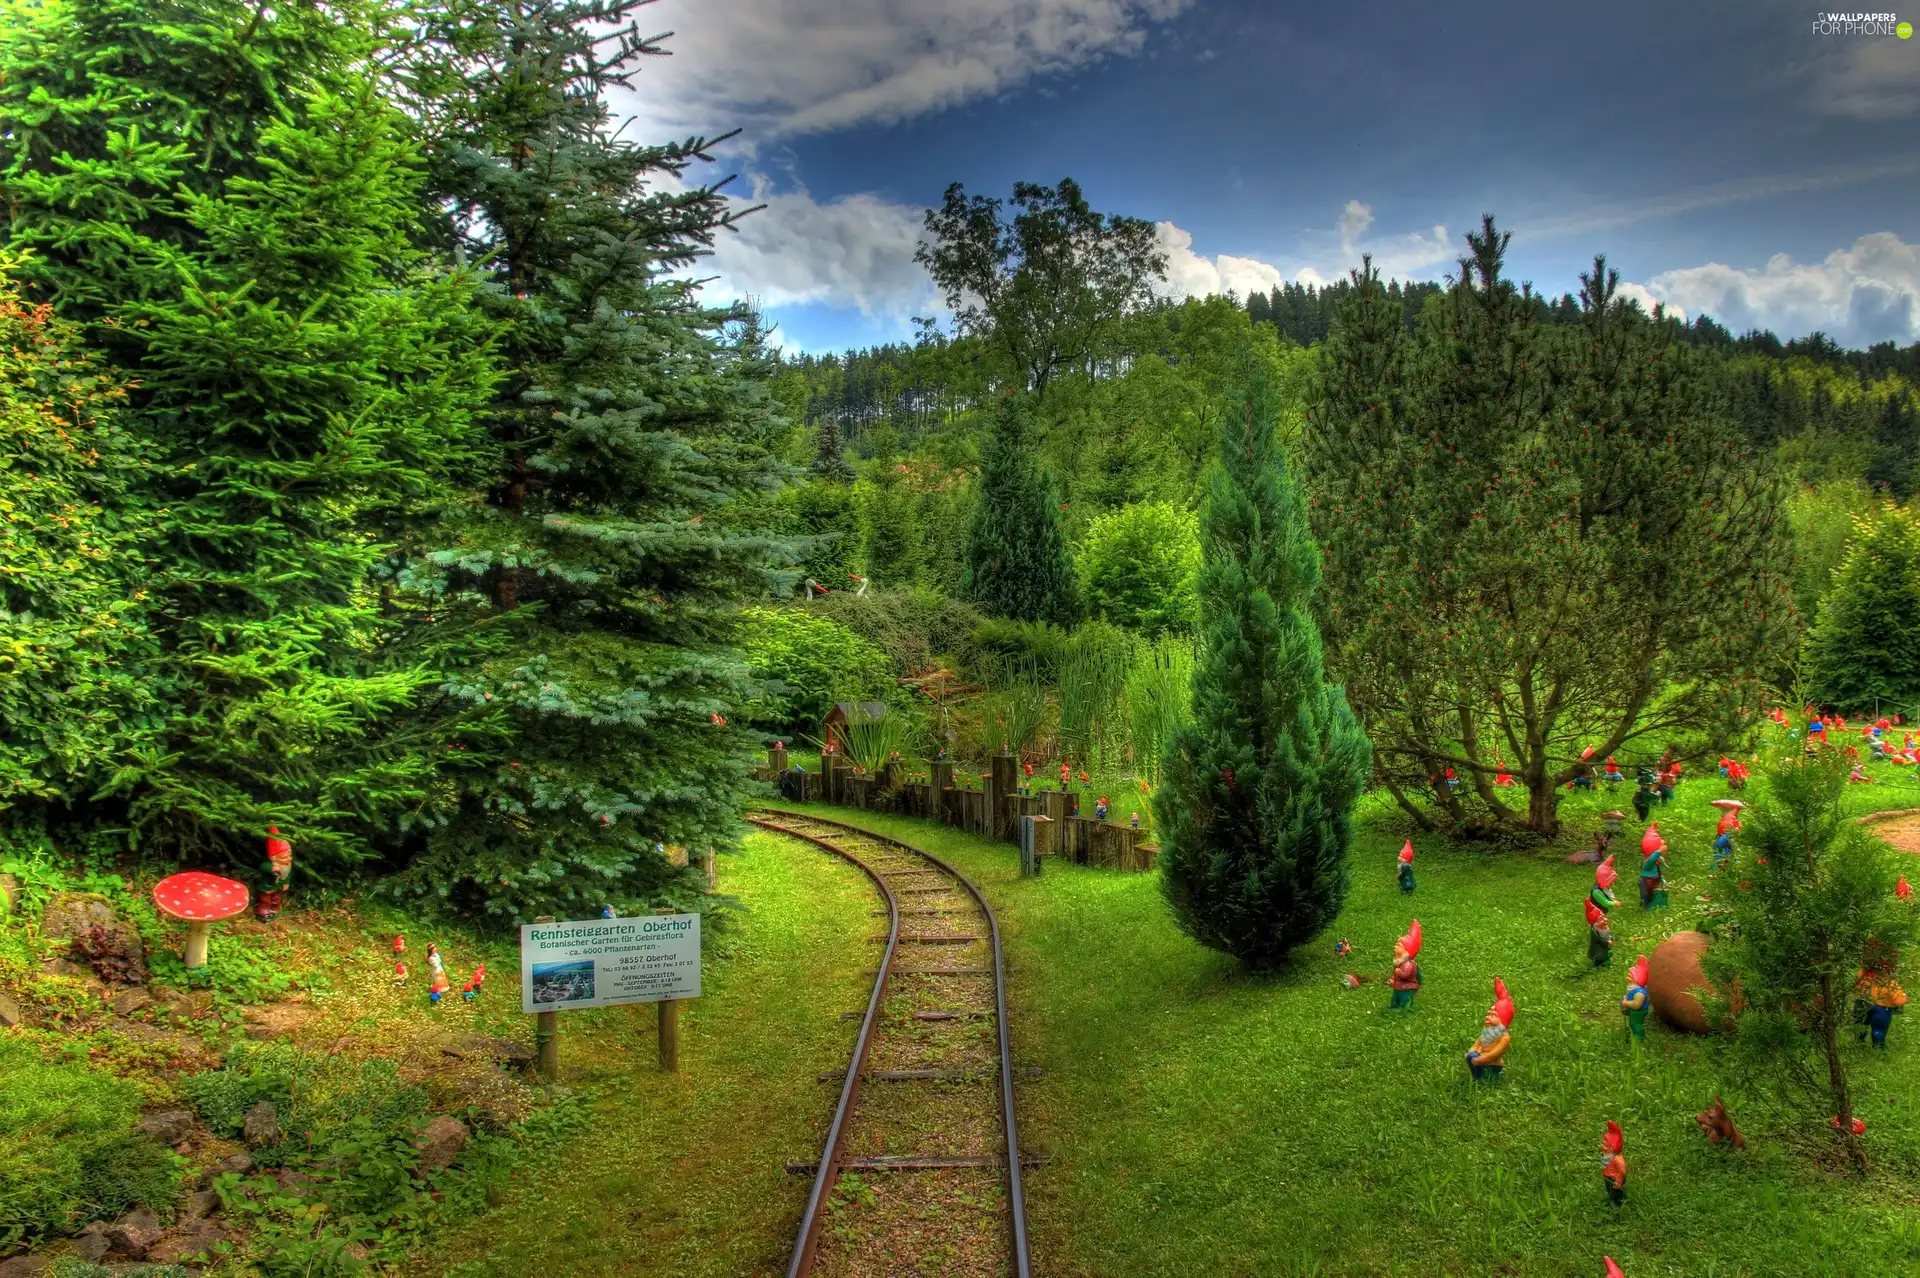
(546, 1034)
(670, 1028)
(777, 759)
(708, 861)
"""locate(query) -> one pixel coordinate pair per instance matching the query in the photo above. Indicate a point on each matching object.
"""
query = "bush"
(915, 628)
(998, 650)
(811, 662)
(1138, 565)
(68, 1149)
(1864, 652)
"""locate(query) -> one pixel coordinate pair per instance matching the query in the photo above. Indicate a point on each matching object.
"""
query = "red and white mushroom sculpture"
(199, 900)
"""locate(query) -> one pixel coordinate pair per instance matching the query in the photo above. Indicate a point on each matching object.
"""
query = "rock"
(178, 1042)
(439, 1143)
(133, 1233)
(92, 1243)
(202, 1203)
(1673, 975)
(63, 967)
(168, 1126)
(25, 1266)
(506, 1051)
(193, 1240)
(276, 1020)
(10, 1014)
(69, 914)
(241, 1162)
(262, 1125)
(113, 950)
(294, 1184)
(130, 1000)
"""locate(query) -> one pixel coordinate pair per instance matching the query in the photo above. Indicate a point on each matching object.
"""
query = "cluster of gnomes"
(1734, 771)
(1635, 1004)
(1406, 866)
(1487, 1058)
(1405, 979)
(1653, 852)
(1611, 775)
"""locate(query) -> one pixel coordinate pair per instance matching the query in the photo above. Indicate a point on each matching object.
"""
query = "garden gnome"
(1613, 1167)
(1487, 1058)
(1611, 775)
(1029, 774)
(399, 973)
(274, 873)
(1719, 1127)
(1405, 980)
(606, 912)
(1613, 1270)
(479, 977)
(466, 991)
(1406, 866)
(1723, 836)
(1343, 947)
(1453, 782)
(438, 986)
(1903, 889)
(1653, 848)
(1602, 897)
(1100, 808)
(1884, 998)
(399, 946)
(433, 956)
(1634, 1006)
(1599, 936)
(1501, 776)
(1136, 820)
(1643, 799)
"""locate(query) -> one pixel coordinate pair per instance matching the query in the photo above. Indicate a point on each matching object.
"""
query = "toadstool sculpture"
(199, 900)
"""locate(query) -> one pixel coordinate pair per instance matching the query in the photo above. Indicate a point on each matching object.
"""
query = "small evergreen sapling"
(1016, 559)
(1254, 808)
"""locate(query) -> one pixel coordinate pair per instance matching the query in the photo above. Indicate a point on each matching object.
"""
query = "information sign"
(601, 962)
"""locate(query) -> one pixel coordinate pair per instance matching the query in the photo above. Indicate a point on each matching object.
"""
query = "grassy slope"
(683, 1175)
(1203, 1121)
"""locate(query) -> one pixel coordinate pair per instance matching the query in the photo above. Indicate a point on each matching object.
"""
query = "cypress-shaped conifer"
(1016, 562)
(1864, 652)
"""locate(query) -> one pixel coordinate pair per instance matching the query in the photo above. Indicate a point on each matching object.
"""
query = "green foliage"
(891, 543)
(998, 651)
(1814, 906)
(1538, 539)
(829, 461)
(1138, 565)
(230, 211)
(1016, 562)
(807, 662)
(78, 683)
(1821, 518)
(1254, 811)
(1093, 668)
(1864, 652)
(826, 513)
(74, 1267)
(595, 581)
(1159, 694)
(915, 628)
(874, 741)
(68, 1149)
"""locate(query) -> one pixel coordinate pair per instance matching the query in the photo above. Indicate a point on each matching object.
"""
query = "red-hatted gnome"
(1604, 877)
(1613, 1270)
(1405, 981)
(1636, 1001)
(1487, 1058)
(270, 888)
(1613, 1167)
(1653, 853)
(1599, 936)
(1406, 867)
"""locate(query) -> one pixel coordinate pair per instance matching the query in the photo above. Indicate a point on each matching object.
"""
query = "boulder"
(201, 1203)
(69, 914)
(276, 1020)
(1674, 973)
(262, 1125)
(504, 1051)
(10, 1014)
(168, 1126)
(440, 1142)
(195, 1239)
(25, 1266)
(133, 1233)
(92, 1243)
(130, 1000)
(114, 951)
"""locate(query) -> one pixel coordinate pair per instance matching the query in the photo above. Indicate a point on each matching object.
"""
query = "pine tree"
(599, 573)
(1016, 562)
(226, 204)
(829, 461)
(1864, 651)
(1257, 790)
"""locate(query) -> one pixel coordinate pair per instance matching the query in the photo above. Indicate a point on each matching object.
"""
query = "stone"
(294, 1184)
(276, 1020)
(58, 966)
(114, 951)
(10, 1013)
(92, 1243)
(130, 1000)
(168, 1126)
(1674, 974)
(241, 1162)
(262, 1125)
(68, 914)
(133, 1233)
(201, 1203)
(191, 1241)
(25, 1266)
(440, 1142)
(506, 1051)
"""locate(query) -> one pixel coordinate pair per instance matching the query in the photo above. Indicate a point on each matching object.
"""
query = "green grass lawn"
(683, 1174)
(1203, 1121)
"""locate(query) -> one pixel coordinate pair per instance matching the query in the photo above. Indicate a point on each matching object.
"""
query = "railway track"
(920, 1173)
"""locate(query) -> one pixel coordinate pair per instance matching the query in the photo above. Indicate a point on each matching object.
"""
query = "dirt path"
(1902, 832)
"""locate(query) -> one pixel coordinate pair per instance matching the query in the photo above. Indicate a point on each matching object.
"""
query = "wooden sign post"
(604, 963)
(546, 1034)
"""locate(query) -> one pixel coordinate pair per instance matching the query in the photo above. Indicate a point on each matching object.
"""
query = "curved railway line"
(929, 1089)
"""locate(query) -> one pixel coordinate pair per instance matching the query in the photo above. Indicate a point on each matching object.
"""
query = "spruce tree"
(226, 202)
(597, 574)
(1016, 563)
(1864, 651)
(1254, 806)
(829, 460)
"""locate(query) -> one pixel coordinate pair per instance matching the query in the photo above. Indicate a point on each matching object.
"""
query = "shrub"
(1864, 652)
(810, 662)
(914, 627)
(1138, 565)
(68, 1149)
(999, 650)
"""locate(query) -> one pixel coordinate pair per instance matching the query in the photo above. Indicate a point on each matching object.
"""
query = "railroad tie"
(933, 940)
(913, 1162)
(980, 1074)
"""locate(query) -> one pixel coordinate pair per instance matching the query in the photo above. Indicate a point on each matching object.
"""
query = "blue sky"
(1726, 157)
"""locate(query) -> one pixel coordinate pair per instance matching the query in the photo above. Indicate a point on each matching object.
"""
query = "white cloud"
(852, 252)
(1191, 274)
(1396, 257)
(1869, 292)
(1639, 293)
(1869, 78)
(784, 67)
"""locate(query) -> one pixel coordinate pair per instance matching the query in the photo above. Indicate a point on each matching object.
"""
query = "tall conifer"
(1254, 806)
(1016, 559)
